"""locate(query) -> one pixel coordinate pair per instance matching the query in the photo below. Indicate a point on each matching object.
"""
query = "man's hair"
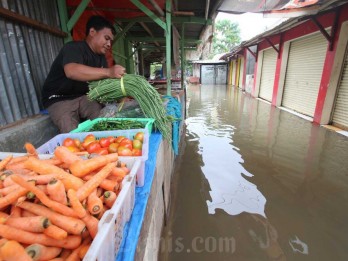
(98, 23)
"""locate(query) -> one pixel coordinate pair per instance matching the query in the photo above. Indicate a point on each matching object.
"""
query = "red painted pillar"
(245, 51)
(277, 74)
(255, 74)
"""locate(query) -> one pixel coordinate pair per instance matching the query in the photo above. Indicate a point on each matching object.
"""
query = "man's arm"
(80, 72)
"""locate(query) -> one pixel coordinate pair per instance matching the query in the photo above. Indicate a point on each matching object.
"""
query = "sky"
(251, 24)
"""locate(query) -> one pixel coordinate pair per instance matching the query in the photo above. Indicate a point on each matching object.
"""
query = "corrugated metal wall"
(26, 55)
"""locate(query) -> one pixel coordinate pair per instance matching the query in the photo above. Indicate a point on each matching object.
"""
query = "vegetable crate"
(49, 147)
(88, 124)
(106, 244)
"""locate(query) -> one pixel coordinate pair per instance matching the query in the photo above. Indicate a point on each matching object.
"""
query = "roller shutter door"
(303, 75)
(268, 69)
(208, 74)
(234, 73)
(340, 115)
(241, 72)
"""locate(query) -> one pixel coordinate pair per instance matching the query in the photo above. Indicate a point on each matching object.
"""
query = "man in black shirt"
(65, 88)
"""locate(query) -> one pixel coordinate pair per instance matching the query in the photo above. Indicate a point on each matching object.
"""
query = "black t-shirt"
(57, 86)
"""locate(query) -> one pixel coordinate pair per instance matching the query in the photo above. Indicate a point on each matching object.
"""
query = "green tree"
(226, 36)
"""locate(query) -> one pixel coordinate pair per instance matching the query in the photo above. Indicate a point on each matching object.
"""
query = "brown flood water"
(256, 183)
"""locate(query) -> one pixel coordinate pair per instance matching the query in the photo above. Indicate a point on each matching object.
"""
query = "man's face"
(101, 40)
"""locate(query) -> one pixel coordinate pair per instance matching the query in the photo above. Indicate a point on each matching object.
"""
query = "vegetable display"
(116, 125)
(50, 208)
(109, 90)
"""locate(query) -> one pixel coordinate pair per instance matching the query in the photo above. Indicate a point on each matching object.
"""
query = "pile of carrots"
(50, 208)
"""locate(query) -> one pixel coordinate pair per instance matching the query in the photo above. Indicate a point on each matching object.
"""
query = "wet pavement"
(254, 182)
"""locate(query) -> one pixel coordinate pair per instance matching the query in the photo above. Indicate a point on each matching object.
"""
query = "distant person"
(64, 91)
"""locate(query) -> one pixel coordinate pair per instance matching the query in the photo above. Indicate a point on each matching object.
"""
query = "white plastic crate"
(106, 244)
(49, 147)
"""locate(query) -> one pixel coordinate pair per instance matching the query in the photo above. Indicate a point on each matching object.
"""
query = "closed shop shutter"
(234, 73)
(340, 115)
(268, 69)
(221, 77)
(241, 72)
(303, 74)
(208, 74)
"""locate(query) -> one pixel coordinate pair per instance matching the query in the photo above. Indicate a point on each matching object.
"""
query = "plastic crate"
(87, 125)
(106, 244)
(49, 147)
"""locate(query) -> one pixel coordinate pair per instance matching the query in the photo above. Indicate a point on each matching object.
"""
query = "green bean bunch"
(136, 86)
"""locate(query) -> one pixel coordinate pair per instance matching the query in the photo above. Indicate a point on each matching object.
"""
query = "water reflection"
(237, 153)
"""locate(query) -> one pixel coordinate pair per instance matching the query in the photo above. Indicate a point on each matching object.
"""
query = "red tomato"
(77, 143)
(113, 147)
(136, 152)
(122, 151)
(67, 142)
(137, 144)
(119, 139)
(102, 151)
(73, 148)
(104, 142)
(87, 140)
(139, 136)
(111, 139)
(93, 147)
(127, 143)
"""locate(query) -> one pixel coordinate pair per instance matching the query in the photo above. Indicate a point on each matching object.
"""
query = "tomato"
(126, 143)
(102, 151)
(73, 148)
(104, 142)
(113, 147)
(119, 139)
(67, 142)
(136, 152)
(111, 139)
(123, 151)
(90, 137)
(77, 143)
(93, 147)
(137, 144)
(139, 136)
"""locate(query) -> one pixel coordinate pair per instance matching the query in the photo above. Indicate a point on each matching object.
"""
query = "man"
(65, 89)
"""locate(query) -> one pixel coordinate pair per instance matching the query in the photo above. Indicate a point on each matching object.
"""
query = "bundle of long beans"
(136, 86)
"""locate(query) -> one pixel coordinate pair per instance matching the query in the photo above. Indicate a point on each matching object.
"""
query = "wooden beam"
(273, 46)
(21, 19)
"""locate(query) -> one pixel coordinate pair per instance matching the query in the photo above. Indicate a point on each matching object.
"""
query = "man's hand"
(117, 71)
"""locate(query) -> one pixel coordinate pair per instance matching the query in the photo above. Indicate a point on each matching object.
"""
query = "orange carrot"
(90, 221)
(26, 213)
(118, 172)
(56, 191)
(16, 211)
(13, 251)
(81, 168)
(55, 232)
(94, 182)
(69, 224)
(56, 206)
(74, 256)
(5, 161)
(6, 190)
(55, 162)
(65, 253)
(94, 204)
(58, 259)
(12, 197)
(30, 149)
(3, 217)
(41, 252)
(109, 198)
(19, 159)
(1, 184)
(39, 179)
(65, 155)
(106, 184)
(43, 168)
(2, 242)
(83, 250)
(11, 233)
(35, 224)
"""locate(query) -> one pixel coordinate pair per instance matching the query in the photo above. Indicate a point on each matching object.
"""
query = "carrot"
(2, 242)
(65, 155)
(13, 251)
(30, 149)
(43, 168)
(56, 191)
(1, 184)
(40, 252)
(65, 253)
(16, 211)
(26, 213)
(127, 170)
(19, 159)
(106, 184)
(118, 172)
(3, 217)
(69, 224)
(57, 259)
(7, 190)
(35, 224)
(94, 182)
(94, 204)
(39, 179)
(55, 232)
(12, 197)
(11, 233)
(83, 250)
(74, 256)
(90, 221)
(81, 168)
(109, 198)
(5, 161)
(55, 162)
(56, 206)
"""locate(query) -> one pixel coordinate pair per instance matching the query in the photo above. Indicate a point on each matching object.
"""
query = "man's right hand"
(117, 71)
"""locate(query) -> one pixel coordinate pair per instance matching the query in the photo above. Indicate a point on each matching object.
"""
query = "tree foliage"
(227, 36)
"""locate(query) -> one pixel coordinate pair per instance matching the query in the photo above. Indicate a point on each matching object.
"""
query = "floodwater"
(254, 182)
